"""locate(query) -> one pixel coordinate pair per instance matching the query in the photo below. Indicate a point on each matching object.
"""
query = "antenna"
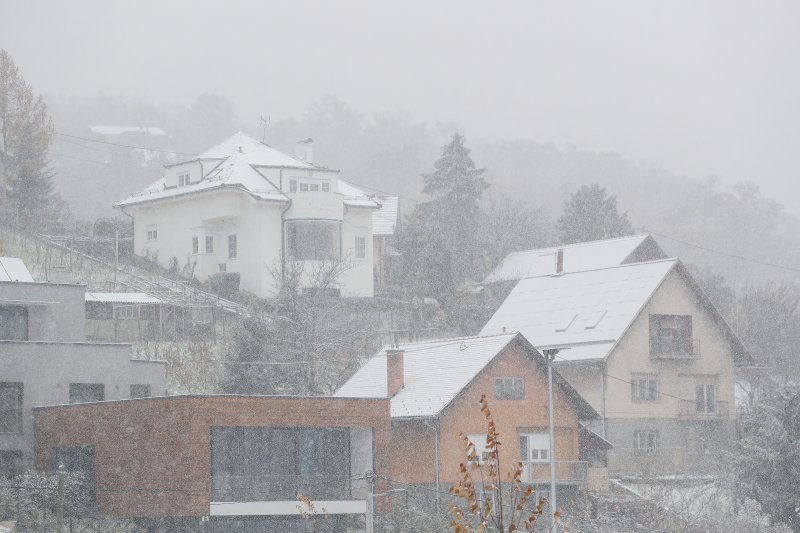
(264, 124)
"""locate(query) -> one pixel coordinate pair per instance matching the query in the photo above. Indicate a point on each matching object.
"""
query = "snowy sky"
(701, 87)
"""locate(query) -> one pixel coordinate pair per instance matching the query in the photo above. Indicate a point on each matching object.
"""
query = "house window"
(645, 442)
(10, 462)
(705, 398)
(671, 335)
(127, 312)
(140, 390)
(86, 392)
(292, 185)
(361, 248)
(312, 240)
(183, 179)
(326, 187)
(152, 234)
(209, 244)
(509, 389)
(314, 187)
(481, 450)
(304, 187)
(223, 267)
(202, 315)
(534, 447)
(13, 323)
(644, 388)
(231, 246)
(195, 245)
(10, 407)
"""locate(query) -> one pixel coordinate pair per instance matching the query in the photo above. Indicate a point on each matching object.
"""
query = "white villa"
(245, 207)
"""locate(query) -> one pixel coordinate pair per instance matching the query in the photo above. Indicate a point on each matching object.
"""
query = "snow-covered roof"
(119, 130)
(434, 372)
(587, 311)
(13, 269)
(237, 161)
(141, 298)
(384, 220)
(576, 257)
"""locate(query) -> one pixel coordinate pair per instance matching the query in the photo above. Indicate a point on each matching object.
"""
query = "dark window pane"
(310, 240)
(140, 391)
(86, 392)
(10, 462)
(13, 323)
(11, 407)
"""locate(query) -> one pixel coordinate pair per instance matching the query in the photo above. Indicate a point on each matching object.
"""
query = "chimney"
(394, 371)
(559, 261)
(304, 150)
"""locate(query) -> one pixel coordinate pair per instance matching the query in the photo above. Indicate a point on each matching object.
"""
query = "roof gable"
(576, 257)
(436, 372)
(588, 311)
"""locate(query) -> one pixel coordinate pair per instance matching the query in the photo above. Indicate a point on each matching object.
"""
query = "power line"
(726, 254)
(124, 145)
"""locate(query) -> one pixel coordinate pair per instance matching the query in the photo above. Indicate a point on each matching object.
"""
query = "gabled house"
(644, 346)
(45, 359)
(243, 207)
(434, 389)
(575, 257)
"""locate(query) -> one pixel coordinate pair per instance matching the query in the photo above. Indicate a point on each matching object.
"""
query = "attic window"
(183, 180)
(593, 319)
(566, 322)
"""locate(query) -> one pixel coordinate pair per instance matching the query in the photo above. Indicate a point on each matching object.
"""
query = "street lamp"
(550, 355)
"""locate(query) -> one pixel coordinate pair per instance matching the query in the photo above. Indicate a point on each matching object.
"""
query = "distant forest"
(389, 153)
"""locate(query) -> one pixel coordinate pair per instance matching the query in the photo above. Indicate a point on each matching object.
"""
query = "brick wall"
(152, 455)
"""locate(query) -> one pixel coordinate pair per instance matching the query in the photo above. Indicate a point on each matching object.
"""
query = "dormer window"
(183, 179)
(326, 187)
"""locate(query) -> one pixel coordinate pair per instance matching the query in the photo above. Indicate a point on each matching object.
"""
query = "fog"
(697, 87)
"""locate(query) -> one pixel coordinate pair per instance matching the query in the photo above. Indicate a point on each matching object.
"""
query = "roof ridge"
(451, 339)
(580, 244)
(597, 269)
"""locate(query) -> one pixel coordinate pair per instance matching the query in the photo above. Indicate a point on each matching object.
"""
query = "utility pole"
(116, 256)
(60, 509)
(550, 356)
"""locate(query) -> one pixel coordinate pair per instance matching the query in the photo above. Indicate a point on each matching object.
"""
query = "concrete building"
(44, 360)
(246, 208)
(236, 463)
(645, 347)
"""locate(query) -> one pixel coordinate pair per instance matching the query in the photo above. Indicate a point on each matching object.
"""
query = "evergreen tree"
(26, 188)
(440, 245)
(590, 215)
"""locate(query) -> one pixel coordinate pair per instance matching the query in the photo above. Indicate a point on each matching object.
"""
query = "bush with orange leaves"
(472, 513)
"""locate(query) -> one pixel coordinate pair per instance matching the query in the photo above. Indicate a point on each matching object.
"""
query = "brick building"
(228, 463)
(435, 388)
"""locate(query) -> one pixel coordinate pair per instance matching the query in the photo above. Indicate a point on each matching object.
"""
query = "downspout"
(603, 385)
(283, 229)
(436, 449)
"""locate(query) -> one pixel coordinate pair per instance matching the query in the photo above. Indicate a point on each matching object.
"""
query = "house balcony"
(675, 350)
(567, 472)
(691, 410)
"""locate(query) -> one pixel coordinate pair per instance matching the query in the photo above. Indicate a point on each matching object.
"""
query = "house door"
(534, 452)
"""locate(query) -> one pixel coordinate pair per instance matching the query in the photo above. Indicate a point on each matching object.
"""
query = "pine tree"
(26, 188)
(456, 180)
(590, 215)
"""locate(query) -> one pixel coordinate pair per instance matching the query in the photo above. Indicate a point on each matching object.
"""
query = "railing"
(251, 488)
(715, 410)
(674, 350)
(566, 471)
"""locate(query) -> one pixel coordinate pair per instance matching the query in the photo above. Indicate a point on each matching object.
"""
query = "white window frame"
(209, 239)
(534, 442)
(508, 387)
(151, 233)
(481, 450)
(644, 388)
(184, 179)
(356, 248)
(326, 186)
(233, 246)
(646, 442)
(705, 402)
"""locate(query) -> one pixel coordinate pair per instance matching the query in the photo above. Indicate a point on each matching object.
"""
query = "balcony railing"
(693, 410)
(251, 488)
(660, 349)
(566, 471)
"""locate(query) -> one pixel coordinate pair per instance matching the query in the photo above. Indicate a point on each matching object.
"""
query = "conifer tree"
(590, 215)
(26, 189)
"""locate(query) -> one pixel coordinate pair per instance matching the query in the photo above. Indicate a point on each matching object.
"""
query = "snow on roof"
(255, 153)
(122, 298)
(580, 256)
(13, 269)
(434, 373)
(240, 156)
(586, 311)
(119, 130)
(384, 220)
